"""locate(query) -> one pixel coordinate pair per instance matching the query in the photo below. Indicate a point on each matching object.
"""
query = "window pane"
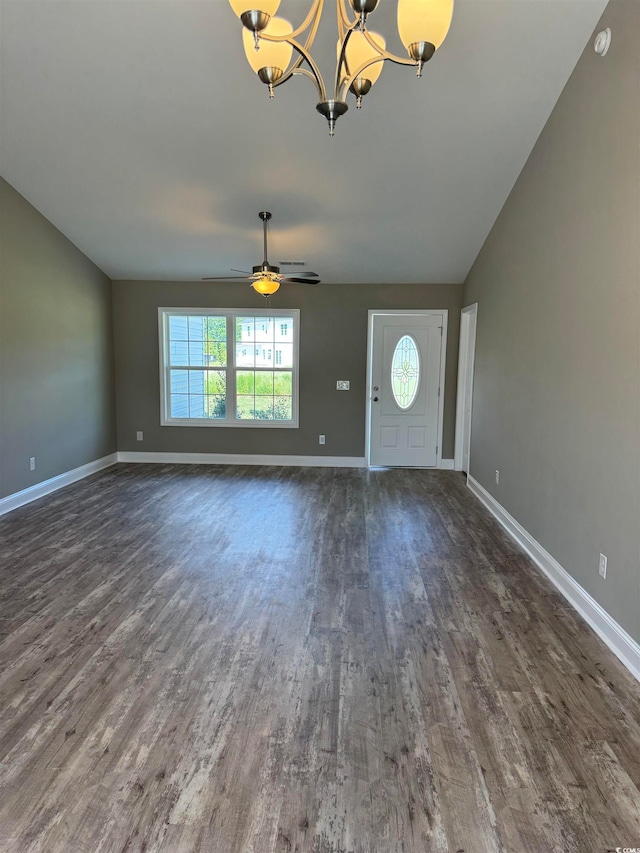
(264, 355)
(245, 354)
(216, 406)
(196, 353)
(216, 382)
(245, 408)
(284, 355)
(179, 352)
(179, 381)
(282, 407)
(178, 328)
(196, 381)
(196, 405)
(264, 383)
(196, 328)
(283, 328)
(215, 352)
(216, 328)
(264, 408)
(264, 329)
(283, 383)
(405, 372)
(245, 382)
(245, 329)
(179, 406)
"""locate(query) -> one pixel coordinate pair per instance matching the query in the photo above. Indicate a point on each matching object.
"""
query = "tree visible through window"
(229, 369)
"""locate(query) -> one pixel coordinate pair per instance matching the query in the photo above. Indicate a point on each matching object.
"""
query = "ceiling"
(139, 130)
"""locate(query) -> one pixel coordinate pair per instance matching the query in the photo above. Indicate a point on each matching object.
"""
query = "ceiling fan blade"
(224, 278)
(246, 272)
(302, 280)
(302, 274)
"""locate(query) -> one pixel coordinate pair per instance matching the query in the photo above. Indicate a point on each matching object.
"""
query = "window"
(210, 377)
(405, 372)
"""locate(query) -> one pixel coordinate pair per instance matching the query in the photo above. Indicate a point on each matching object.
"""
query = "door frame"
(466, 365)
(443, 313)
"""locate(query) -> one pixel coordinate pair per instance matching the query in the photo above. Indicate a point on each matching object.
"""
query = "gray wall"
(557, 379)
(56, 350)
(333, 345)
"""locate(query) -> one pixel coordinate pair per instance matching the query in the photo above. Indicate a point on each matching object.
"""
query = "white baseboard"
(33, 493)
(254, 459)
(613, 635)
(243, 459)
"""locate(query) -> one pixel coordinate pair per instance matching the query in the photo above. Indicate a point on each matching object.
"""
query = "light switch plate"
(602, 566)
(342, 385)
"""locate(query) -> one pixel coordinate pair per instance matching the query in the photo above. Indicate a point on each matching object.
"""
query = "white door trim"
(468, 316)
(444, 315)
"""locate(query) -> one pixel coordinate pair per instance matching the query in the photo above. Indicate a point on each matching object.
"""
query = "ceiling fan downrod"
(268, 276)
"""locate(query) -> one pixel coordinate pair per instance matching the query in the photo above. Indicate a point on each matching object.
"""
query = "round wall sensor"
(602, 42)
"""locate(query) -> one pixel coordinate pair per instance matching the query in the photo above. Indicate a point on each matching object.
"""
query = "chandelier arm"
(303, 52)
(304, 72)
(358, 72)
(314, 74)
(343, 18)
(342, 59)
(296, 65)
(314, 15)
(399, 60)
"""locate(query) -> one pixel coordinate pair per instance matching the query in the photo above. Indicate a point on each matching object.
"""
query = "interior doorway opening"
(464, 403)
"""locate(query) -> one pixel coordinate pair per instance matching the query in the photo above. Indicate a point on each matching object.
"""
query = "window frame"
(230, 421)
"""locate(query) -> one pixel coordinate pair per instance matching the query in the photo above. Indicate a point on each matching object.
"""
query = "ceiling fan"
(265, 278)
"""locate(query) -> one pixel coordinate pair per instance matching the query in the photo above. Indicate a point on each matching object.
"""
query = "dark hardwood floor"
(248, 660)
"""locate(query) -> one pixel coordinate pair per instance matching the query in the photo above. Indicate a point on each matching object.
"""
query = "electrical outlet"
(320, 439)
(139, 435)
(497, 477)
(602, 566)
(32, 463)
(342, 385)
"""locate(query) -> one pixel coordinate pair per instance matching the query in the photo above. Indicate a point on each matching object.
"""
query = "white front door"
(404, 393)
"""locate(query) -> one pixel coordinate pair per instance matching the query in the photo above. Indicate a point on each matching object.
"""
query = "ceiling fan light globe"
(266, 286)
(268, 7)
(272, 54)
(425, 21)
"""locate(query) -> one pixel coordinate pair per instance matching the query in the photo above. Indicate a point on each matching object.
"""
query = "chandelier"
(270, 43)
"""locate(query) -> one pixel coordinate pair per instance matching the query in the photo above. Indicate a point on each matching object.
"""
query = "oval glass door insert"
(405, 372)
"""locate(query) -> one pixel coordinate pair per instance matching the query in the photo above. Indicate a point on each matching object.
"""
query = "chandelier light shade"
(360, 53)
(273, 57)
(267, 7)
(255, 20)
(270, 44)
(422, 22)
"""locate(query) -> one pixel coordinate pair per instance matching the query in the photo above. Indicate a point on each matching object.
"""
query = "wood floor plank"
(218, 659)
